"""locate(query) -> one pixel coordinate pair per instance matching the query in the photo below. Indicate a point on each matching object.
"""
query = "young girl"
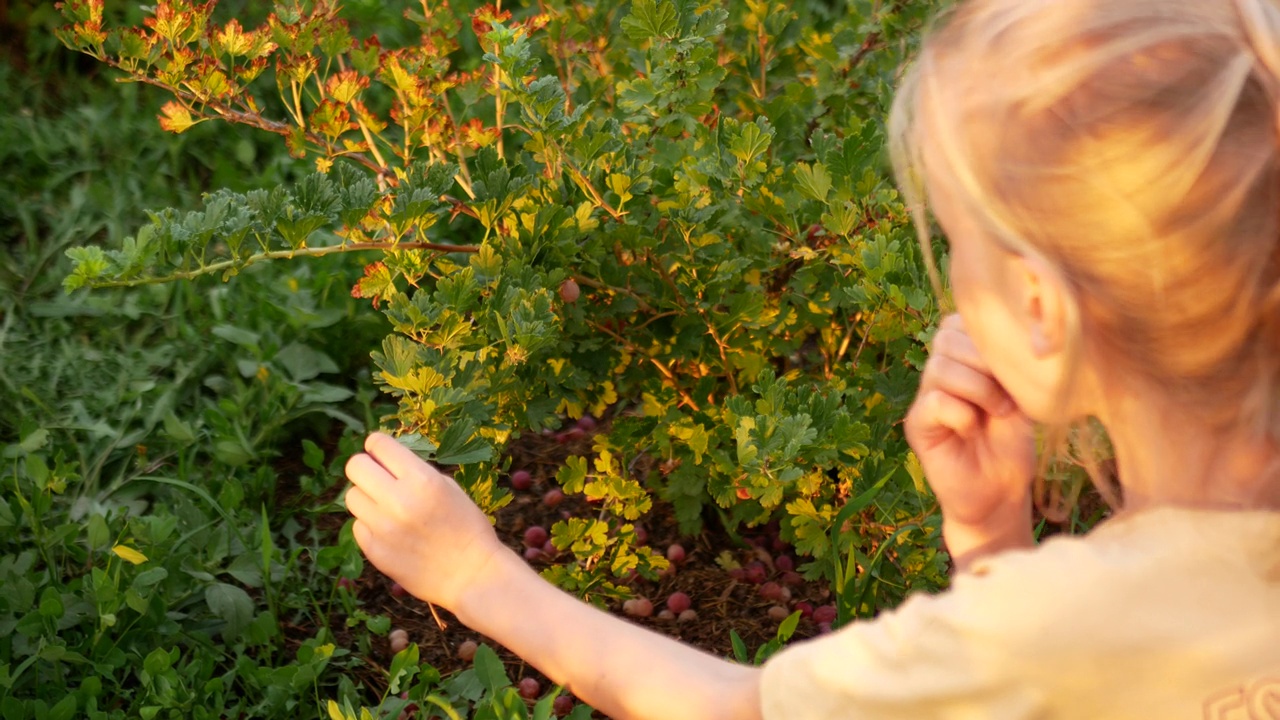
(1108, 174)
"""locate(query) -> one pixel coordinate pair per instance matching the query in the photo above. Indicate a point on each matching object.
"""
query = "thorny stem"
(297, 105)
(464, 172)
(760, 40)
(728, 371)
(239, 263)
(663, 369)
(591, 282)
(590, 189)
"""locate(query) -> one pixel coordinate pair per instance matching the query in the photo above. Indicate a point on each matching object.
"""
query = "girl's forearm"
(619, 668)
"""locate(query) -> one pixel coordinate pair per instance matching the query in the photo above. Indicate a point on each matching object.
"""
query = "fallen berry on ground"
(535, 536)
(638, 607)
(824, 614)
(521, 480)
(553, 497)
(397, 590)
(399, 640)
(678, 602)
(530, 688)
(688, 615)
(562, 705)
(778, 613)
(676, 553)
(467, 650)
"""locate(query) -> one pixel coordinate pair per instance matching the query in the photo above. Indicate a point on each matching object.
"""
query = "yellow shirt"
(1165, 614)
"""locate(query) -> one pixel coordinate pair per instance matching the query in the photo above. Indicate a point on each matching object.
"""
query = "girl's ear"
(1043, 305)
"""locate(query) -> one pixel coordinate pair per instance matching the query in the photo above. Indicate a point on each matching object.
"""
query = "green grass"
(169, 421)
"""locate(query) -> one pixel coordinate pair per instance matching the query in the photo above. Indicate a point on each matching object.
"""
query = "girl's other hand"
(976, 447)
(416, 524)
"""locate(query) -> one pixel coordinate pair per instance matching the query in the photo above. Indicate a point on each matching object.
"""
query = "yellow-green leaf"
(124, 552)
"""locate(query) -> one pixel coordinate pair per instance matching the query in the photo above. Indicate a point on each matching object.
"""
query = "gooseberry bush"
(671, 216)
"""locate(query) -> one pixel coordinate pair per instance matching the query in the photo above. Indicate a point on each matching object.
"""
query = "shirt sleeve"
(960, 654)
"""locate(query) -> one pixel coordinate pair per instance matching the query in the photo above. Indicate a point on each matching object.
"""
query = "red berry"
(467, 650)
(575, 433)
(397, 590)
(771, 591)
(563, 705)
(642, 535)
(784, 563)
(530, 688)
(824, 628)
(569, 290)
(678, 602)
(346, 584)
(824, 614)
(521, 480)
(535, 536)
(638, 607)
(687, 616)
(739, 574)
(755, 572)
(676, 553)
(792, 578)
(553, 497)
(534, 554)
(805, 608)
(549, 548)
(586, 423)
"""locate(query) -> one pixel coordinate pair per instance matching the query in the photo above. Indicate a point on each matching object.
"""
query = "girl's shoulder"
(1100, 623)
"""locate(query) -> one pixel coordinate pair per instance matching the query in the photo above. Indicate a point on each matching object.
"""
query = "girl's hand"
(417, 525)
(976, 447)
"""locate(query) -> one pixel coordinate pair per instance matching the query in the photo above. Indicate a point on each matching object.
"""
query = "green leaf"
(303, 363)
(489, 669)
(739, 647)
(65, 709)
(34, 440)
(232, 334)
(814, 180)
(312, 455)
(650, 19)
(51, 604)
(461, 445)
(232, 605)
(157, 662)
(404, 666)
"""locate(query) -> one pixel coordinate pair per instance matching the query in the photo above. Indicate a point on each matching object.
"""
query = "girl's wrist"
(1008, 529)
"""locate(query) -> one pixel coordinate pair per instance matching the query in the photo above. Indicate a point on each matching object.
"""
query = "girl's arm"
(417, 526)
(619, 668)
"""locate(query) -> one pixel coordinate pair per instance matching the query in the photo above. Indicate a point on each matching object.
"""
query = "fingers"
(399, 460)
(358, 503)
(368, 475)
(938, 415)
(952, 341)
(973, 386)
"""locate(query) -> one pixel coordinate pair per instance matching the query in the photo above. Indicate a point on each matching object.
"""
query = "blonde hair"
(1134, 147)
